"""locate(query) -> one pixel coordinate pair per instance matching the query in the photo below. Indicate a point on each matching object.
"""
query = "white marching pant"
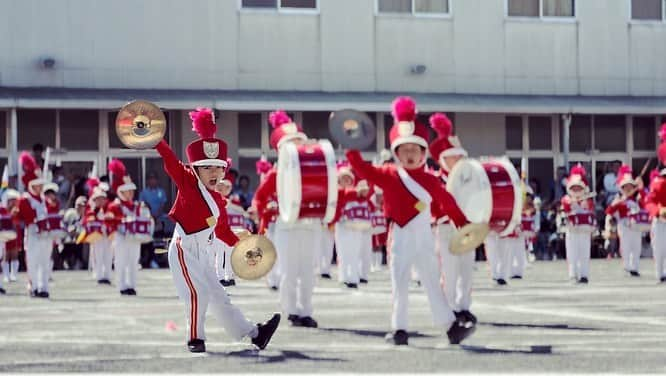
(223, 262)
(103, 258)
(197, 286)
(414, 245)
(38, 259)
(630, 247)
(366, 254)
(348, 244)
(273, 277)
(457, 270)
(518, 253)
(659, 247)
(578, 253)
(498, 255)
(299, 247)
(326, 255)
(127, 252)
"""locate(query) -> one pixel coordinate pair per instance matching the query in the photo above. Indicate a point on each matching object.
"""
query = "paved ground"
(540, 324)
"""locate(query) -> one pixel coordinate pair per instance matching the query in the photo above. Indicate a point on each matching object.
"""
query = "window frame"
(280, 9)
(648, 22)
(541, 17)
(447, 15)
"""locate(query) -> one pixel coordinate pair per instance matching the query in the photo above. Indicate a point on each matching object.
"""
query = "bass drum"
(307, 182)
(488, 192)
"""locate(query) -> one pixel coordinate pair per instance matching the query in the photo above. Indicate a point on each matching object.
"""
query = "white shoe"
(12, 277)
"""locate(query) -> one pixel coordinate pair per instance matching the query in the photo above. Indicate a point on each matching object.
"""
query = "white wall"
(210, 44)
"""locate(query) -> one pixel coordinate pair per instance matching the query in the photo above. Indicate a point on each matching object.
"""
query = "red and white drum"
(94, 231)
(488, 191)
(307, 185)
(640, 221)
(582, 222)
(235, 220)
(357, 217)
(51, 226)
(527, 226)
(378, 222)
(139, 229)
(7, 229)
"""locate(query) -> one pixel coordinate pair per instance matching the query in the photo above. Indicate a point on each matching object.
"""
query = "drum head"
(288, 182)
(469, 185)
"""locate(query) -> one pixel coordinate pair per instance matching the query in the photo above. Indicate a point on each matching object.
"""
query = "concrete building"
(505, 70)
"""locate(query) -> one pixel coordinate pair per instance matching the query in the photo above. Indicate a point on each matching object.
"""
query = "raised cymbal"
(468, 238)
(140, 125)
(253, 257)
(352, 129)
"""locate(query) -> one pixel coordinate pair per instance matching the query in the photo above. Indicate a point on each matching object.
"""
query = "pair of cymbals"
(140, 125)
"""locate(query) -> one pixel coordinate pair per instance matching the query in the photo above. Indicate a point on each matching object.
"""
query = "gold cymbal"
(253, 257)
(468, 238)
(140, 125)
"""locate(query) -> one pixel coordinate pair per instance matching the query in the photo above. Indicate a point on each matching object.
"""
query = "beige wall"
(210, 44)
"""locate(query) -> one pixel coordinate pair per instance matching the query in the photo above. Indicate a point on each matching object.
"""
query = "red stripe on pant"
(193, 292)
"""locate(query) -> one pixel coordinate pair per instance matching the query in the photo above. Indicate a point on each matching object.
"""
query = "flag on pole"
(5, 178)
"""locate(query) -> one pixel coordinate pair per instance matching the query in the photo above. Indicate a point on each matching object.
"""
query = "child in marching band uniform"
(525, 234)
(10, 261)
(124, 211)
(456, 269)
(199, 213)
(409, 193)
(379, 230)
(577, 243)
(100, 250)
(32, 207)
(350, 237)
(630, 202)
(236, 217)
(267, 220)
(297, 243)
(655, 203)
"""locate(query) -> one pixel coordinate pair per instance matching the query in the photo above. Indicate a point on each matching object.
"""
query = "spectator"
(154, 196)
(244, 192)
(558, 187)
(609, 181)
(37, 153)
(64, 186)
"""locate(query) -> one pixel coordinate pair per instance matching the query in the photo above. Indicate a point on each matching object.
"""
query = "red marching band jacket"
(570, 206)
(190, 209)
(400, 205)
(100, 215)
(656, 199)
(265, 200)
(623, 209)
(26, 213)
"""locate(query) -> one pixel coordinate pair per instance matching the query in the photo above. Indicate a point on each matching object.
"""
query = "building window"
(541, 174)
(647, 10)
(580, 134)
(540, 133)
(36, 127)
(79, 129)
(514, 133)
(3, 129)
(610, 133)
(249, 130)
(644, 133)
(279, 4)
(413, 6)
(541, 8)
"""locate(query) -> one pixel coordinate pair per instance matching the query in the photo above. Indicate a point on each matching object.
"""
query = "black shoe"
(227, 282)
(459, 331)
(468, 316)
(351, 285)
(308, 322)
(265, 331)
(363, 280)
(326, 276)
(399, 338)
(583, 280)
(501, 282)
(33, 293)
(517, 277)
(106, 281)
(196, 346)
(43, 294)
(131, 292)
(459, 315)
(232, 282)
(635, 273)
(2, 291)
(294, 320)
(124, 292)
(663, 279)
(274, 288)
